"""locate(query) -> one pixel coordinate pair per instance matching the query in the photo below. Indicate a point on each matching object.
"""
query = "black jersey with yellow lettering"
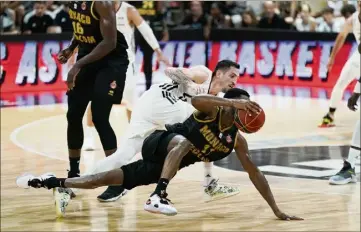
(210, 141)
(86, 29)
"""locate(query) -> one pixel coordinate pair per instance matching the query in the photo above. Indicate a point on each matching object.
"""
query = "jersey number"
(207, 149)
(78, 29)
(148, 5)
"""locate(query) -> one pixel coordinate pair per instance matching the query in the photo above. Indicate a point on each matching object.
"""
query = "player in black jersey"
(208, 135)
(97, 76)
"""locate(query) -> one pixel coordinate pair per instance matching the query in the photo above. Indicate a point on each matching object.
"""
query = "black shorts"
(148, 170)
(103, 79)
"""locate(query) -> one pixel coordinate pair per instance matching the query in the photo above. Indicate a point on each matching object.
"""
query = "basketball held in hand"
(249, 122)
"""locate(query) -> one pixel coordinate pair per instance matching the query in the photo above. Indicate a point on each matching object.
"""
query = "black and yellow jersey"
(210, 141)
(86, 29)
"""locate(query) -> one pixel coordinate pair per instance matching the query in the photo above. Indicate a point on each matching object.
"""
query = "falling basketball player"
(127, 18)
(349, 72)
(209, 134)
(98, 75)
(347, 174)
(167, 104)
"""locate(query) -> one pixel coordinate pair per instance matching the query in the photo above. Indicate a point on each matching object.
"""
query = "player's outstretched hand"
(64, 55)
(285, 217)
(247, 105)
(352, 101)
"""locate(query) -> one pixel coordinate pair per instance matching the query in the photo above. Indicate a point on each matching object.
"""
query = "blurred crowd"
(28, 17)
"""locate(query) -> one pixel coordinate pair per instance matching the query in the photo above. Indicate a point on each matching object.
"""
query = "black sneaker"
(327, 121)
(72, 174)
(112, 193)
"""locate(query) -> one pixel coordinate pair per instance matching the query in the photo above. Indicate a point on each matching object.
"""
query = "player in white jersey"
(168, 104)
(347, 174)
(127, 18)
(350, 71)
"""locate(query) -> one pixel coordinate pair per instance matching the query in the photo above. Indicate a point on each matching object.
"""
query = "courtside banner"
(31, 66)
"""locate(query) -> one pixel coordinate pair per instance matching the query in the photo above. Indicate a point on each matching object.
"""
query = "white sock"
(90, 131)
(207, 173)
(355, 150)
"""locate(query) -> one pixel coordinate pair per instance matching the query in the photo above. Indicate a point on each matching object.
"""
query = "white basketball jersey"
(184, 92)
(356, 27)
(126, 29)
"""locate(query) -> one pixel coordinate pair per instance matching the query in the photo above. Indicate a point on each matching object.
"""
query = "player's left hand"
(352, 101)
(163, 58)
(70, 81)
(285, 217)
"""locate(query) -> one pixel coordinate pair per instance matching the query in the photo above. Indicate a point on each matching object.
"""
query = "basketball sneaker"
(215, 191)
(327, 121)
(112, 193)
(160, 204)
(344, 176)
(62, 197)
(89, 143)
(28, 180)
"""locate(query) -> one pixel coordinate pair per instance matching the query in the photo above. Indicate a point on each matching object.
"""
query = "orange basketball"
(250, 122)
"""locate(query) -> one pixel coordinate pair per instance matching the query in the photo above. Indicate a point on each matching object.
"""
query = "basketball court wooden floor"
(33, 140)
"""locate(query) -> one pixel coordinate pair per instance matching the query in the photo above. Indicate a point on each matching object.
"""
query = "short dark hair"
(236, 93)
(224, 65)
(348, 9)
(328, 10)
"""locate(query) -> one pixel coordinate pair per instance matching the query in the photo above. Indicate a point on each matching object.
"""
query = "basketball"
(250, 122)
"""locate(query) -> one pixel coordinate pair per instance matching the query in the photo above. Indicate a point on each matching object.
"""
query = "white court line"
(13, 138)
(14, 134)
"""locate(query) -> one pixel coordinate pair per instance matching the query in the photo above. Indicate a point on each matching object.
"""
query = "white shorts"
(130, 86)
(153, 111)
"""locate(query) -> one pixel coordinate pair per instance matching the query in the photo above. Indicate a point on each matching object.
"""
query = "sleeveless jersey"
(210, 142)
(86, 29)
(126, 29)
(356, 26)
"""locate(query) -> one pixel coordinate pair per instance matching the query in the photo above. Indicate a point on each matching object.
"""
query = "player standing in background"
(128, 18)
(347, 173)
(350, 70)
(167, 104)
(98, 75)
(151, 11)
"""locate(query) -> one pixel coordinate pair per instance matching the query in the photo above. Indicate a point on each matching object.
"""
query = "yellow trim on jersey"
(92, 11)
(207, 120)
(219, 123)
(235, 140)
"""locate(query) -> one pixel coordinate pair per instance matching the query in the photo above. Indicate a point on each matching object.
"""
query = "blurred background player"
(347, 173)
(350, 71)
(167, 104)
(128, 18)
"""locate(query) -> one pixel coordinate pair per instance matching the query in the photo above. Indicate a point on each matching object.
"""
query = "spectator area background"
(199, 33)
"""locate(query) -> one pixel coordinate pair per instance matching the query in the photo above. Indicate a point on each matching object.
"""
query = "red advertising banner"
(32, 66)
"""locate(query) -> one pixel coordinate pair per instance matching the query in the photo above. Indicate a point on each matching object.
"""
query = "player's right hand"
(64, 55)
(285, 217)
(247, 105)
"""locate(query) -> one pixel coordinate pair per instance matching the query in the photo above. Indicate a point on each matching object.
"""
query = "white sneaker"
(346, 175)
(28, 180)
(215, 191)
(161, 205)
(89, 143)
(62, 197)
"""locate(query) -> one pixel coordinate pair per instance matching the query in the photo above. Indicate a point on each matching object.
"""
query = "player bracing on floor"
(210, 134)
